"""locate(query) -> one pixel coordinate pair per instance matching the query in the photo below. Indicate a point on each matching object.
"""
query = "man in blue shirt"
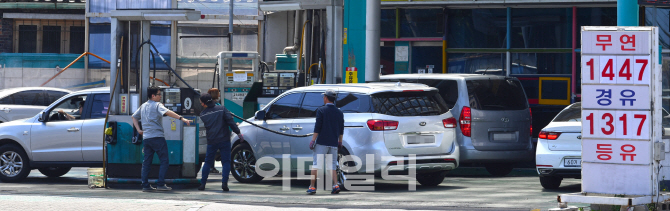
(151, 113)
(327, 138)
(218, 122)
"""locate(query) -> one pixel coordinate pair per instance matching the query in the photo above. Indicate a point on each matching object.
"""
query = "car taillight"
(449, 123)
(549, 135)
(464, 119)
(381, 125)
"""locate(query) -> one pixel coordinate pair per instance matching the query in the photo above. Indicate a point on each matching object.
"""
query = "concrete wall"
(6, 31)
(26, 77)
(278, 34)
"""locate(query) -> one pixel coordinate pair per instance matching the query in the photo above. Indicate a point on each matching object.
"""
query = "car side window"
(448, 90)
(99, 106)
(286, 107)
(52, 96)
(69, 109)
(311, 102)
(353, 103)
(7, 100)
(34, 97)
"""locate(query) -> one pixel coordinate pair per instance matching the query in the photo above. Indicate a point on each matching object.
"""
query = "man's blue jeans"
(224, 147)
(159, 146)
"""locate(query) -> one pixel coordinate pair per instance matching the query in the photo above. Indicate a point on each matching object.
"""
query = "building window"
(77, 38)
(48, 36)
(388, 23)
(477, 28)
(542, 28)
(27, 38)
(51, 39)
(421, 22)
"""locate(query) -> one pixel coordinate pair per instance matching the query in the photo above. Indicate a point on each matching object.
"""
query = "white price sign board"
(615, 97)
(619, 124)
(620, 87)
(615, 151)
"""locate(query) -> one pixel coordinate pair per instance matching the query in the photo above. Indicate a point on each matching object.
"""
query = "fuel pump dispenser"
(123, 153)
(238, 74)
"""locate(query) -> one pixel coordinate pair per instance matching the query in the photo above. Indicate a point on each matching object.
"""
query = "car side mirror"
(43, 117)
(260, 115)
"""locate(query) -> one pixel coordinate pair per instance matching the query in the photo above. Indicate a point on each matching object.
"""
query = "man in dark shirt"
(327, 138)
(217, 120)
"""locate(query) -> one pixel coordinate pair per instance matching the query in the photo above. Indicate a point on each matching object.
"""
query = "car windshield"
(572, 113)
(409, 103)
(496, 94)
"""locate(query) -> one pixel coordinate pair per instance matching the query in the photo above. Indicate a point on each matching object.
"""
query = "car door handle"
(7, 110)
(297, 127)
(284, 128)
(73, 130)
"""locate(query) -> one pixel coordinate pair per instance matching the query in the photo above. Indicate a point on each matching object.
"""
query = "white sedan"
(559, 148)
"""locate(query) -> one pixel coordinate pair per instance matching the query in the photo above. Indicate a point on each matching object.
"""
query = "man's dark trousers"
(159, 146)
(224, 148)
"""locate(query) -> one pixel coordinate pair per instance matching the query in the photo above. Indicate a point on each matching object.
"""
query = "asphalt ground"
(466, 188)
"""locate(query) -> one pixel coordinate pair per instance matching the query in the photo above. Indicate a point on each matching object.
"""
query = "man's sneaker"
(149, 189)
(224, 187)
(163, 188)
(214, 171)
(311, 190)
(336, 190)
(202, 186)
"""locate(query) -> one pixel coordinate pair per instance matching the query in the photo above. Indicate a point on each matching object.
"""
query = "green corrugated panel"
(286, 62)
(125, 152)
(40, 60)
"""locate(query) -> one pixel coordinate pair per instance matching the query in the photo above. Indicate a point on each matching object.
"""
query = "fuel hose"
(272, 131)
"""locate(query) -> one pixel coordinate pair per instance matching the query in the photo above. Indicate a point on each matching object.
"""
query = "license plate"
(504, 136)
(572, 162)
(420, 139)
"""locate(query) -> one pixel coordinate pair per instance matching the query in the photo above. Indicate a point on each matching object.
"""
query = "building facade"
(37, 39)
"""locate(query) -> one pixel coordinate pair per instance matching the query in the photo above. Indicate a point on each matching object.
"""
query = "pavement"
(463, 189)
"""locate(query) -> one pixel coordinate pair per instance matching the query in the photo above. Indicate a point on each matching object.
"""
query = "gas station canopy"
(156, 14)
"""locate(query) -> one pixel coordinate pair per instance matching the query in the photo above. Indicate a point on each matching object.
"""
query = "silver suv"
(493, 113)
(388, 120)
(53, 142)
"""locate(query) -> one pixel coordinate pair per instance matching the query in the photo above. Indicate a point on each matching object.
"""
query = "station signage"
(619, 90)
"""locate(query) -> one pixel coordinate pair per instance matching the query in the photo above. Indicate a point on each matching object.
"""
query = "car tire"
(431, 179)
(54, 171)
(10, 154)
(499, 169)
(243, 161)
(549, 182)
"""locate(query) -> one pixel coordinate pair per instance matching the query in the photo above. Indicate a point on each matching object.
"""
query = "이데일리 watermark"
(354, 173)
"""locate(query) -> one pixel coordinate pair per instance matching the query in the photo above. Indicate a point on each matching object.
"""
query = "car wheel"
(431, 179)
(54, 171)
(499, 169)
(14, 164)
(244, 164)
(549, 182)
